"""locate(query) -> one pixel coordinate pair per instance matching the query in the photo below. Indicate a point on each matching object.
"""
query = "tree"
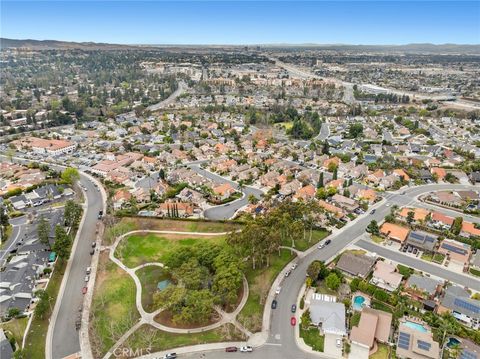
(320, 181)
(335, 173)
(355, 130)
(373, 227)
(70, 175)
(3, 222)
(161, 174)
(410, 217)
(43, 305)
(252, 199)
(73, 213)
(43, 231)
(457, 225)
(314, 269)
(333, 281)
(326, 148)
(62, 242)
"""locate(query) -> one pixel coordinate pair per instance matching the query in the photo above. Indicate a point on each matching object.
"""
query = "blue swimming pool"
(358, 302)
(452, 342)
(416, 326)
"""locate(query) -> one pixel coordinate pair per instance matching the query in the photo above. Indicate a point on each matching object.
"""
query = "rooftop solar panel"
(466, 354)
(461, 303)
(454, 249)
(423, 345)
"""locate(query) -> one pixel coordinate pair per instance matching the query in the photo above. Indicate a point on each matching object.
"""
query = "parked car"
(84, 290)
(277, 291)
(328, 241)
(293, 321)
(294, 266)
(246, 349)
(89, 270)
(338, 342)
(92, 252)
(94, 244)
(321, 245)
(170, 356)
(100, 214)
(373, 211)
(415, 251)
(294, 308)
(274, 304)
(231, 349)
(287, 273)
(87, 278)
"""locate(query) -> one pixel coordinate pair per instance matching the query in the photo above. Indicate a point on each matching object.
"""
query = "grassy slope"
(149, 277)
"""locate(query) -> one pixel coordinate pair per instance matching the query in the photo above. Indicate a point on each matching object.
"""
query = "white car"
(294, 266)
(277, 291)
(87, 278)
(246, 349)
(339, 342)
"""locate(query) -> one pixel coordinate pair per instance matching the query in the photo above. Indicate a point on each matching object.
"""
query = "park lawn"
(113, 307)
(138, 249)
(312, 338)
(381, 353)
(259, 282)
(149, 277)
(303, 244)
(15, 328)
(156, 340)
(36, 337)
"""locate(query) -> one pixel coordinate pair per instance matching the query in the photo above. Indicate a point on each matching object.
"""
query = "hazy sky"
(244, 22)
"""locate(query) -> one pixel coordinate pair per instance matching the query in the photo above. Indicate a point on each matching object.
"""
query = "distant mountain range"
(408, 48)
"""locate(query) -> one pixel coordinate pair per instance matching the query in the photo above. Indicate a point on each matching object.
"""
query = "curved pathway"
(149, 318)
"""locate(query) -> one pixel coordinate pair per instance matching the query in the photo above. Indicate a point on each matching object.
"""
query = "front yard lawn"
(381, 353)
(312, 338)
(377, 239)
(113, 306)
(259, 281)
(427, 257)
(156, 340)
(438, 258)
(15, 328)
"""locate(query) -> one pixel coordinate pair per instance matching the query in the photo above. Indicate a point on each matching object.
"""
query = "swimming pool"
(452, 342)
(416, 326)
(358, 302)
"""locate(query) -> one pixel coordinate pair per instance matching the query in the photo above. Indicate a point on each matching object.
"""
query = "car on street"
(403, 193)
(170, 356)
(246, 349)
(277, 291)
(328, 241)
(84, 290)
(294, 308)
(89, 270)
(94, 244)
(373, 211)
(293, 321)
(87, 278)
(321, 245)
(92, 252)
(100, 214)
(294, 266)
(231, 349)
(287, 273)
(338, 342)
(274, 304)
(387, 205)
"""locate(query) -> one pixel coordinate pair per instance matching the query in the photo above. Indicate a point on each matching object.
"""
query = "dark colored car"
(231, 349)
(294, 308)
(100, 214)
(274, 304)
(92, 252)
(373, 211)
(327, 242)
(170, 356)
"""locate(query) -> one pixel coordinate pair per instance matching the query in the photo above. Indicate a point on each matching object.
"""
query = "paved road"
(227, 210)
(438, 271)
(65, 338)
(324, 132)
(281, 341)
(171, 99)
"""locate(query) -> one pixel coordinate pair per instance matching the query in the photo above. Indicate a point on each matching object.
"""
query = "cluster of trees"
(72, 214)
(317, 271)
(263, 235)
(3, 222)
(204, 275)
(379, 98)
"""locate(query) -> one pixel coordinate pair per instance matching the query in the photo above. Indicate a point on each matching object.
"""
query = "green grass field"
(157, 340)
(304, 243)
(138, 249)
(313, 338)
(382, 352)
(149, 277)
(259, 282)
(113, 307)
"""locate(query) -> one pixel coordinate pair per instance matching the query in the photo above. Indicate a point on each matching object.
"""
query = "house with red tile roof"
(305, 193)
(394, 232)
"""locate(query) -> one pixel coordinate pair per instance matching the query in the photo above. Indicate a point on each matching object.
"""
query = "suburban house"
(175, 209)
(458, 302)
(413, 343)
(420, 287)
(469, 230)
(457, 252)
(394, 232)
(223, 191)
(419, 214)
(423, 241)
(374, 326)
(329, 317)
(385, 276)
(440, 221)
(356, 265)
